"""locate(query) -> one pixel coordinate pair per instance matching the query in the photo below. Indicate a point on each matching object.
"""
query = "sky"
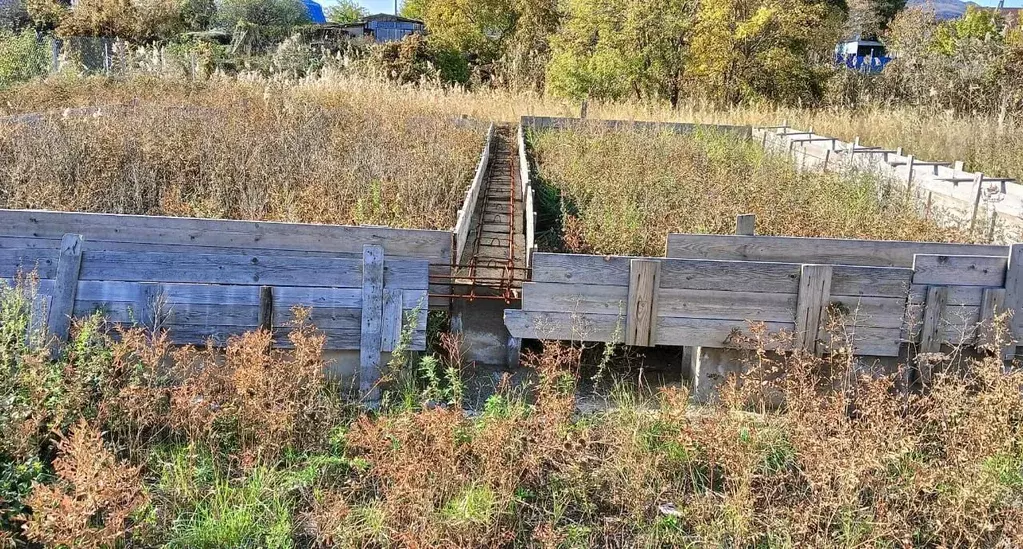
(387, 6)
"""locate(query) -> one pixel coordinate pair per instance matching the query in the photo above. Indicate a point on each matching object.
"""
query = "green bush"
(22, 57)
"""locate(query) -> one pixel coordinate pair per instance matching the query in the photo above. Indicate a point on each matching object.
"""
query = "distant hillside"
(944, 9)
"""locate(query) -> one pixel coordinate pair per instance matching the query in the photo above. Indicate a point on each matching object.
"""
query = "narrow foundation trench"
(491, 270)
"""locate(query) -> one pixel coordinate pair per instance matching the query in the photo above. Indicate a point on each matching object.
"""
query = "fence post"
(930, 333)
(65, 287)
(909, 178)
(1014, 295)
(814, 295)
(745, 224)
(978, 180)
(992, 304)
(641, 314)
(266, 308)
(372, 310)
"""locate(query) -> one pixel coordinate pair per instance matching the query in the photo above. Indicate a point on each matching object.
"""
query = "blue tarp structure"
(315, 11)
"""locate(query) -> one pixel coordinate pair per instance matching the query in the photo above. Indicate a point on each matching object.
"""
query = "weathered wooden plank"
(745, 225)
(681, 274)
(930, 338)
(564, 326)
(30, 243)
(872, 312)
(957, 295)
(411, 243)
(581, 269)
(372, 310)
(321, 318)
(1014, 295)
(392, 320)
(466, 213)
(135, 312)
(849, 280)
(992, 305)
(814, 294)
(788, 249)
(146, 247)
(547, 122)
(962, 270)
(246, 269)
(641, 309)
(13, 262)
(738, 276)
(716, 333)
(208, 294)
(863, 341)
(65, 286)
(574, 298)
(266, 308)
(711, 304)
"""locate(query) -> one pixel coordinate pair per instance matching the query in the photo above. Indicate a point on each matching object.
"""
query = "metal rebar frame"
(488, 287)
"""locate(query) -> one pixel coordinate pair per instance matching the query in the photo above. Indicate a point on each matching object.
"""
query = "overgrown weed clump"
(123, 439)
(622, 192)
(239, 150)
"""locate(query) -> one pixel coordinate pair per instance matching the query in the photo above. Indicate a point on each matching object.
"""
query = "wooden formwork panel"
(704, 302)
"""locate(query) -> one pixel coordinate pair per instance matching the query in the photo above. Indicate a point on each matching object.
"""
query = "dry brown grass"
(985, 142)
(624, 191)
(255, 447)
(241, 151)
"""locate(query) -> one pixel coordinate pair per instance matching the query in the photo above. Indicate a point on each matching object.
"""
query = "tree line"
(727, 52)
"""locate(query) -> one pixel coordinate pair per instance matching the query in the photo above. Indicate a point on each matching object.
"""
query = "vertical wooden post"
(372, 309)
(65, 287)
(814, 295)
(641, 314)
(993, 226)
(392, 320)
(1014, 295)
(266, 308)
(934, 306)
(992, 304)
(930, 332)
(909, 178)
(746, 224)
(827, 156)
(978, 182)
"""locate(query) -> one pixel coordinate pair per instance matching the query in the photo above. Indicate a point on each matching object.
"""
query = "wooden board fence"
(36, 235)
(706, 301)
(547, 122)
(528, 196)
(468, 210)
(209, 298)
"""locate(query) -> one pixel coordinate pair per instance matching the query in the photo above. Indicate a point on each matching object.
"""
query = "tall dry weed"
(95, 499)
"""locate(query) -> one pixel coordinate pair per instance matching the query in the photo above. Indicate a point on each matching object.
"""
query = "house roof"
(388, 17)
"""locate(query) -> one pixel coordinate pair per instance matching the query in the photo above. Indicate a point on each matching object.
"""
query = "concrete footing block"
(710, 369)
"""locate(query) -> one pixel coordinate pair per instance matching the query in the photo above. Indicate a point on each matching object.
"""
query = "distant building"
(863, 55)
(384, 28)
